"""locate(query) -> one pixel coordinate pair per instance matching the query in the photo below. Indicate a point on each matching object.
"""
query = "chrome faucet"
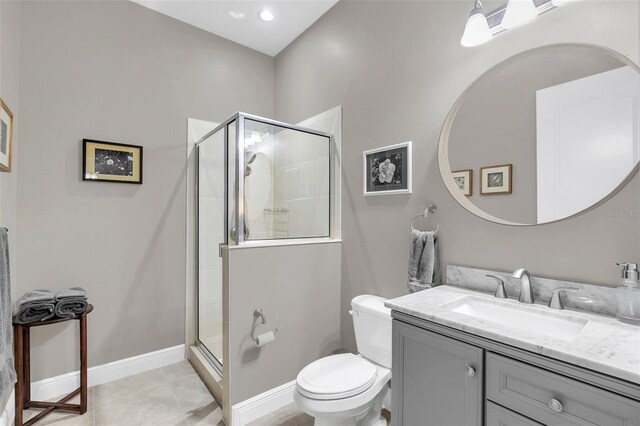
(500, 291)
(556, 301)
(526, 292)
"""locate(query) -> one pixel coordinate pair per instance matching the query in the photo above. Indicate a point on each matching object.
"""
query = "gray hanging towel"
(424, 260)
(7, 372)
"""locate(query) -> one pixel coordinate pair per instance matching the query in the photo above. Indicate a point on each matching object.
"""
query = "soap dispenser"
(629, 294)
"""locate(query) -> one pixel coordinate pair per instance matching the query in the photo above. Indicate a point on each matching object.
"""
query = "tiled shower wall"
(301, 184)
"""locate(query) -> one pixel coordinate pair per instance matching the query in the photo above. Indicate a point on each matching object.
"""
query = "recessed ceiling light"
(236, 15)
(266, 15)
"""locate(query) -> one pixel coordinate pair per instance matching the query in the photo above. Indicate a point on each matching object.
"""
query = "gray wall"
(397, 68)
(119, 72)
(300, 296)
(9, 80)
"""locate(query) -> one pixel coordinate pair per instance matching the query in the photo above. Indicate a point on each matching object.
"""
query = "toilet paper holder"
(259, 319)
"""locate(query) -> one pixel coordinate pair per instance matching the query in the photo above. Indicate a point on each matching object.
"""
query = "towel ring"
(430, 209)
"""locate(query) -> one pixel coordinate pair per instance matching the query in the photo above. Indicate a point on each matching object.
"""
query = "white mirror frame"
(443, 143)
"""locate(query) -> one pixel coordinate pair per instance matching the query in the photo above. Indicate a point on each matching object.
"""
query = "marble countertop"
(604, 344)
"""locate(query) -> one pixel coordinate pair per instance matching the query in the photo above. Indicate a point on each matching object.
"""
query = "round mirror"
(544, 135)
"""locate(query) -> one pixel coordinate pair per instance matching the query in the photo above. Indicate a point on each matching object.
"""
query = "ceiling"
(239, 21)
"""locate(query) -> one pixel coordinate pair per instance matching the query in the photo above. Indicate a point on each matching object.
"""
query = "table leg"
(83, 364)
(18, 347)
(26, 366)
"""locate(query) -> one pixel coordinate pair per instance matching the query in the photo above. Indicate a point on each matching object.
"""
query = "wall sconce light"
(519, 12)
(480, 27)
(477, 30)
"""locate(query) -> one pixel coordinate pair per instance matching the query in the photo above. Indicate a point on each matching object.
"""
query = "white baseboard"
(260, 405)
(8, 411)
(43, 390)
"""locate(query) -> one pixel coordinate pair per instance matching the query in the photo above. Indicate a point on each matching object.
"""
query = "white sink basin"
(523, 318)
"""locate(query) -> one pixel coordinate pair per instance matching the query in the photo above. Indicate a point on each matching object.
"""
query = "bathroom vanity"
(463, 357)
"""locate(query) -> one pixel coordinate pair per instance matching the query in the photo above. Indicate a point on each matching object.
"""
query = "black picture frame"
(111, 162)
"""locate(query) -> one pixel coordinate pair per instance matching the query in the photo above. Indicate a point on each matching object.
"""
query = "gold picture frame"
(6, 137)
(464, 181)
(111, 162)
(496, 180)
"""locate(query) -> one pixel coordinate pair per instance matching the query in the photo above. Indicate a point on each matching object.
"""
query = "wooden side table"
(22, 351)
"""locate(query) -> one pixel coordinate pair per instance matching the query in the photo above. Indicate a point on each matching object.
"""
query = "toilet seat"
(336, 377)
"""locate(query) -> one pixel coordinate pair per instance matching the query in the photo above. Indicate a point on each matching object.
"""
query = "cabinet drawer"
(500, 416)
(554, 399)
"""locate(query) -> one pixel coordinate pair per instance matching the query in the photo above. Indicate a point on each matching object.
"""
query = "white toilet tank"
(372, 326)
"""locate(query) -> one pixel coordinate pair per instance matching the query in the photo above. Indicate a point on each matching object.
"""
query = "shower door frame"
(217, 365)
(239, 189)
(239, 144)
(239, 174)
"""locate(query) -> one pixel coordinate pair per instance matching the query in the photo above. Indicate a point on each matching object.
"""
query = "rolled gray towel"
(71, 307)
(33, 296)
(35, 305)
(73, 292)
(71, 302)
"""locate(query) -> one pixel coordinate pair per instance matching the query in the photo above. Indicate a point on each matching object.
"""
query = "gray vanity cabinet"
(436, 380)
(445, 377)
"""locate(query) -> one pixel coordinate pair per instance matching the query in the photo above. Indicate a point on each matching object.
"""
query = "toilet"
(348, 389)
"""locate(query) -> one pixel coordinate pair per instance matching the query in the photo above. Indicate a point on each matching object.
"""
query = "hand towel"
(424, 261)
(35, 305)
(7, 372)
(71, 302)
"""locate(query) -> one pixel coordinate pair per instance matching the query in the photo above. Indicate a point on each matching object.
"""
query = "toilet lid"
(336, 376)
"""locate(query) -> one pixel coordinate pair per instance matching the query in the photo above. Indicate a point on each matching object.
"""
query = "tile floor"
(172, 395)
(168, 396)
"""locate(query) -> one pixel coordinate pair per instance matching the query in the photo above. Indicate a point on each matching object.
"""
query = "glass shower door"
(212, 232)
(286, 181)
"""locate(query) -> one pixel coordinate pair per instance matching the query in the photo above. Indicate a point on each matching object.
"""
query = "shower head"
(247, 169)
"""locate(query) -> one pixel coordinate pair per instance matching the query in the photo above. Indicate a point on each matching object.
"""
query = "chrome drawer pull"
(470, 371)
(555, 405)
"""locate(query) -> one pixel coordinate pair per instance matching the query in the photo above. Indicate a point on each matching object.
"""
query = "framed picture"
(6, 135)
(496, 180)
(387, 170)
(464, 181)
(111, 162)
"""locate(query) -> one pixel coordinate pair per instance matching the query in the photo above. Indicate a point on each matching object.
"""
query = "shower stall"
(259, 182)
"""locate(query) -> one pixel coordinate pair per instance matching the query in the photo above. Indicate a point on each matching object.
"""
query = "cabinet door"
(436, 380)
